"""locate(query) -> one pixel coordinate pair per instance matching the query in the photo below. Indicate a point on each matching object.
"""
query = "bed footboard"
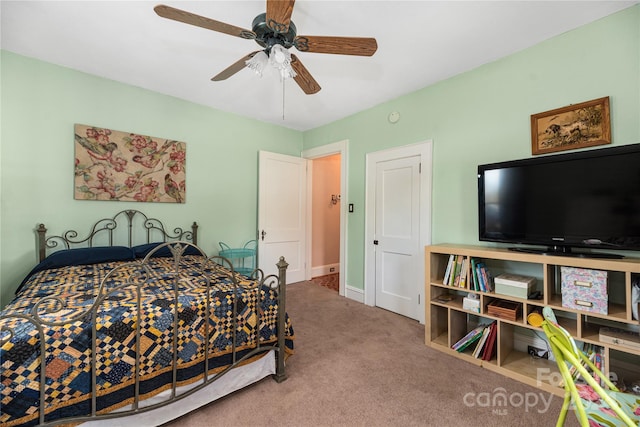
(282, 319)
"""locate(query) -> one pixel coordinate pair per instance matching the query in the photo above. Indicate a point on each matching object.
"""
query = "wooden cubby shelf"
(447, 321)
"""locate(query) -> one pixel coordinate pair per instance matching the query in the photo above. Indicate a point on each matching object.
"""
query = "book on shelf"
(452, 273)
(474, 275)
(463, 273)
(447, 271)
(456, 274)
(468, 339)
(488, 278)
(595, 355)
(477, 352)
(481, 284)
(478, 336)
(599, 365)
(485, 278)
(456, 279)
(490, 346)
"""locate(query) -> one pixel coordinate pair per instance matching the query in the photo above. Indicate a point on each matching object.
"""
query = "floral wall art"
(123, 166)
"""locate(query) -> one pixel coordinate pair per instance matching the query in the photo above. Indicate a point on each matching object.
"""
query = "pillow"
(141, 251)
(81, 256)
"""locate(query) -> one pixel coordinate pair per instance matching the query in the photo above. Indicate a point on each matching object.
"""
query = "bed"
(132, 320)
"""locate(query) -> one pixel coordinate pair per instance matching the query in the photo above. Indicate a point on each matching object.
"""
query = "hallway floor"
(331, 281)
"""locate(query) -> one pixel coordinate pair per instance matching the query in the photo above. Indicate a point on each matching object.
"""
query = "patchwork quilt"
(203, 341)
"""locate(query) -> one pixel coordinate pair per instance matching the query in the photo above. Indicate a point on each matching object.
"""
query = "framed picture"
(576, 126)
(124, 166)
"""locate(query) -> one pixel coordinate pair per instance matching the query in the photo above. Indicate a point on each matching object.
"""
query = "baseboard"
(323, 270)
(355, 294)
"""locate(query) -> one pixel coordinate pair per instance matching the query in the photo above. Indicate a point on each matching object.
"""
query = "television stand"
(449, 319)
(566, 251)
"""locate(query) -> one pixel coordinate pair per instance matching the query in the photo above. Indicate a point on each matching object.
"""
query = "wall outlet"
(537, 352)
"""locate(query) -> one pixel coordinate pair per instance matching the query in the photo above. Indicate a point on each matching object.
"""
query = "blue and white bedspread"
(124, 328)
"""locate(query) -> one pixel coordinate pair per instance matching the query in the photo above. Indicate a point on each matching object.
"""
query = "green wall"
(40, 103)
(483, 116)
(477, 117)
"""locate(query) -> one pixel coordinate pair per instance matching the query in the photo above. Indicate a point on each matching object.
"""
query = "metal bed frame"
(177, 241)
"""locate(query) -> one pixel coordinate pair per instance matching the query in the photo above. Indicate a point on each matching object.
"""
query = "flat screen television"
(585, 199)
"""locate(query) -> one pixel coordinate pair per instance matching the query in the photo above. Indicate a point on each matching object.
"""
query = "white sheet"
(233, 380)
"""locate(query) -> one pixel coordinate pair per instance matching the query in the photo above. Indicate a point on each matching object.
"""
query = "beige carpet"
(362, 366)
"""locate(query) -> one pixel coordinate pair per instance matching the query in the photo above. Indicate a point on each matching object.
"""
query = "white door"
(393, 275)
(281, 213)
(397, 235)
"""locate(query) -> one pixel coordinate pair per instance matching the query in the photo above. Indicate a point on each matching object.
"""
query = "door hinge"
(419, 167)
(418, 299)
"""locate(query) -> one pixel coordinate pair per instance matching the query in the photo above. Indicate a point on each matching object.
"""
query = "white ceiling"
(419, 43)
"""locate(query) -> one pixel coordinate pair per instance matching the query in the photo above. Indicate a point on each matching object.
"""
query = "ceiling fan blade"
(304, 79)
(200, 21)
(279, 15)
(361, 46)
(233, 68)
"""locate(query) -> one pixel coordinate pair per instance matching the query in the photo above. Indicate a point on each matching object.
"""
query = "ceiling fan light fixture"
(287, 72)
(258, 62)
(279, 55)
(280, 59)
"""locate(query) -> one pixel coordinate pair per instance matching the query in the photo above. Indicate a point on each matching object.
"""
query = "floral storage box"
(584, 289)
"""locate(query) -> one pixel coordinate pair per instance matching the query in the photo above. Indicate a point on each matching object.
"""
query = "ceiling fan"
(276, 28)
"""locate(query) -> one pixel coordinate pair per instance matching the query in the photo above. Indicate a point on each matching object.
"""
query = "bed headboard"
(126, 228)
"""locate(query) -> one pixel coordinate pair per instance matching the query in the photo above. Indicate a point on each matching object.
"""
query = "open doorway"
(334, 155)
(325, 221)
